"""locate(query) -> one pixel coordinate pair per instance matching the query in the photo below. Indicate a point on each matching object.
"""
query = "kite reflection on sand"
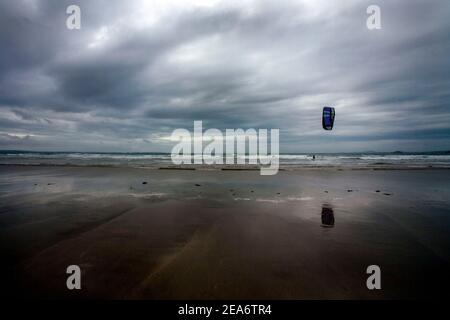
(327, 216)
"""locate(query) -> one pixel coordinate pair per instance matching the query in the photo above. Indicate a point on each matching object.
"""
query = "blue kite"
(328, 118)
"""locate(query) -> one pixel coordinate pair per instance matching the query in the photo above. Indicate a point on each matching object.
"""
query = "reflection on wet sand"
(165, 240)
(327, 216)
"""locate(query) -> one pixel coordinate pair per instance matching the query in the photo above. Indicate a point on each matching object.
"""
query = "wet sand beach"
(204, 234)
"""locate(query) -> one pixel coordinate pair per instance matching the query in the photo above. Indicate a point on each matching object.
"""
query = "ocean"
(287, 161)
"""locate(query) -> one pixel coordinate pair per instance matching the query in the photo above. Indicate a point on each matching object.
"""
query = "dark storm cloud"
(137, 70)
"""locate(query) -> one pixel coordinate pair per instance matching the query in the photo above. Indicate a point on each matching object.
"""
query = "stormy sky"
(136, 70)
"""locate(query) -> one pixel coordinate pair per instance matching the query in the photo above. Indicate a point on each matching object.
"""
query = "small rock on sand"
(144, 182)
